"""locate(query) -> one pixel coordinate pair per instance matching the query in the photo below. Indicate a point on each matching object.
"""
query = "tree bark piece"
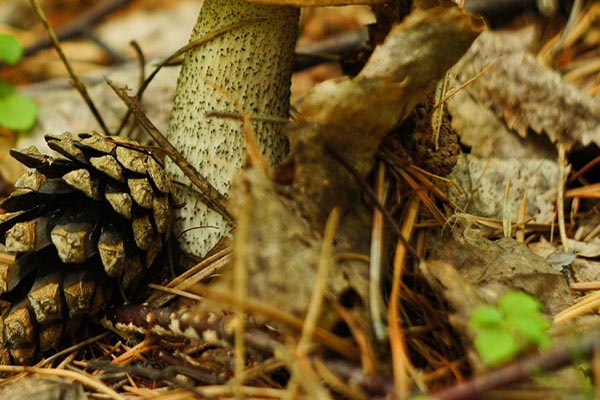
(245, 70)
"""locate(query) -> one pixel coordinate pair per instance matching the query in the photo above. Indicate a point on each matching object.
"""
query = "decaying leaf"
(482, 184)
(498, 267)
(527, 94)
(281, 252)
(351, 116)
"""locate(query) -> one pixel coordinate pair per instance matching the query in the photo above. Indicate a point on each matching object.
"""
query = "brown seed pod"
(77, 227)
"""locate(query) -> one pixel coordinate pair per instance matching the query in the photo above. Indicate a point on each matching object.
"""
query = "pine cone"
(76, 228)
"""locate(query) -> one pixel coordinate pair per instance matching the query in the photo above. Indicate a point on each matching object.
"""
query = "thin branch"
(521, 370)
(211, 196)
(78, 26)
(76, 82)
(369, 192)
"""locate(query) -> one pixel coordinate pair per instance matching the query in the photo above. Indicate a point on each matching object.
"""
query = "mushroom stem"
(249, 66)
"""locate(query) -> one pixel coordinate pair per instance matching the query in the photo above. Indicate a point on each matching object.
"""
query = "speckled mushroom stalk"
(250, 64)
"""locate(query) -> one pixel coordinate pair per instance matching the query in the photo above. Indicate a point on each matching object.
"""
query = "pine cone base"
(74, 229)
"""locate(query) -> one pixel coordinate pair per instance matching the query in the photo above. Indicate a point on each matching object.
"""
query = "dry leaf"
(528, 94)
(351, 116)
(495, 268)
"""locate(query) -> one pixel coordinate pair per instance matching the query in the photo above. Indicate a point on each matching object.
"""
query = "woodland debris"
(495, 268)
(487, 136)
(494, 188)
(468, 271)
(528, 95)
(350, 117)
(77, 227)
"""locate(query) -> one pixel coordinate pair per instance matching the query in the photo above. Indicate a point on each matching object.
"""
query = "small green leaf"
(485, 316)
(531, 329)
(17, 112)
(496, 346)
(6, 88)
(10, 49)
(518, 302)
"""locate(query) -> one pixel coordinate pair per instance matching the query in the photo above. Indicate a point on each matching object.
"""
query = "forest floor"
(495, 297)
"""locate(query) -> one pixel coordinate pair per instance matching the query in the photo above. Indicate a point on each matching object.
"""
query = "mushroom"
(247, 69)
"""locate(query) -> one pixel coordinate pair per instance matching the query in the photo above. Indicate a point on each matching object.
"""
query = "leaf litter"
(450, 267)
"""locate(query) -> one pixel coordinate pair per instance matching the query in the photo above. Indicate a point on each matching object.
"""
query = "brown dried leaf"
(528, 94)
(351, 116)
(495, 268)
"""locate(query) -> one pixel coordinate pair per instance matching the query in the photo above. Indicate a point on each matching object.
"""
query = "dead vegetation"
(355, 267)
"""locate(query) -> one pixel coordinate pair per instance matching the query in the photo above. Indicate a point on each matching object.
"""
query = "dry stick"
(240, 287)
(362, 340)
(586, 304)
(521, 370)
(521, 220)
(401, 362)
(507, 211)
(416, 184)
(141, 59)
(325, 337)
(585, 286)
(205, 268)
(563, 171)
(166, 374)
(376, 304)
(75, 78)
(332, 380)
(190, 46)
(78, 26)
(301, 367)
(321, 280)
(211, 196)
(367, 190)
(73, 348)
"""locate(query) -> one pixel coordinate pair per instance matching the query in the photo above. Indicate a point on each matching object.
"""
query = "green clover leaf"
(10, 49)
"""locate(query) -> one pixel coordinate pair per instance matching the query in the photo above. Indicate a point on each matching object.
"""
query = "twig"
(321, 335)
(77, 346)
(560, 202)
(240, 288)
(78, 26)
(211, 196)
(367, 190)
(349, 391)
(167, 374)
(586, 304)
(321, 282)
(76, 82)
(521, 220)
(401, 362)
(376, 304)
(521, 370)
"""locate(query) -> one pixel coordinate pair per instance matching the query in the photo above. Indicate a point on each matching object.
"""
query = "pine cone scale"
(77, 226)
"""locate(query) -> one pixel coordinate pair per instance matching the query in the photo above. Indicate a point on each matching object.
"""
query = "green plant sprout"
(17, 112)
(504, 331)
